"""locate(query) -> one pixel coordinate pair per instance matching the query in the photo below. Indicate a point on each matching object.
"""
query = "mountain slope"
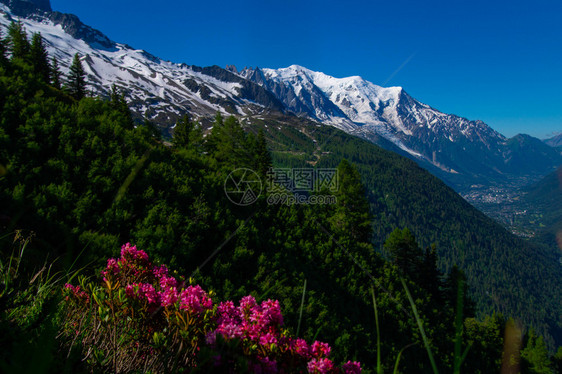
(159, 90)
(507, 274)
(460, 151)
(555, 141)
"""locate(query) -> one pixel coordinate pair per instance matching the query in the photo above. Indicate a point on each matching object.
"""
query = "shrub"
(141, 318)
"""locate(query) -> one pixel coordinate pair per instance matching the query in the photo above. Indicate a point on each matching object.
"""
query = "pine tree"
(455, 279)
(3, 50)
(429, 275)
(55, 73)
(118, 103)
(262, 162)
(405, 252)
(183, 132)
(228, 142)
(40, 58)
(18, 43)
(76, 80)
(534, 357)
(352, 217)
(152, 129)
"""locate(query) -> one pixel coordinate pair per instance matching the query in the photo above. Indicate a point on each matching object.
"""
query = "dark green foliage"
(505, 274)
(535, 358)
(557, 361)
(39, 58)
(257, 145)
(76, 79)
(404, 251)
(187, 134)
(18, 43)
(119, 104)
(352, 216)
(55, 74)
(3, 50)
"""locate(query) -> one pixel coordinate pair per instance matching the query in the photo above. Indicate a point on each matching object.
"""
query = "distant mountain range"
(555, 141)
(459, 151)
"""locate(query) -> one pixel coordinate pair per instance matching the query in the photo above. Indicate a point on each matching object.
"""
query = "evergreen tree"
(229, 142)
(40, 58)
(455, 279)
(534, 357)
(151, 128)
(118, 103)
(262, 161)
(352, 217)
(183, 132)
(405, 252)
(3, 50)
(55, 73)
(76, 80)
(557, 361)
(18, 42)
(429, 274)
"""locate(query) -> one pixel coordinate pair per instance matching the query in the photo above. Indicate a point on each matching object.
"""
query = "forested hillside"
(79, 178)
(506, 273)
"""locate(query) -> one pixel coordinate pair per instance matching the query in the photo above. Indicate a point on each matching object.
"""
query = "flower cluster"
(76, 292)
(259, 328)
(166, 314)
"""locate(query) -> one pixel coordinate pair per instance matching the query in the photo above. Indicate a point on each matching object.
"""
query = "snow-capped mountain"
(156, 89)
(456, 149)
(449, 145)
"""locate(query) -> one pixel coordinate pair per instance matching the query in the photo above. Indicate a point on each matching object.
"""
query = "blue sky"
(498, 61)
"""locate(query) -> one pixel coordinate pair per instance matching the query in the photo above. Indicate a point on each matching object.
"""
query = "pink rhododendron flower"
(167, 282)
(271, 312)
(160, 271)
(230, 331)
(194, 299)
(169, 297)
(227, 313)
(320, 349)
(321, 365)
(112, 268)
(352, 367)
(143, 292)
(268, 339)
(300, 347)
(131, 253)
(246, 304)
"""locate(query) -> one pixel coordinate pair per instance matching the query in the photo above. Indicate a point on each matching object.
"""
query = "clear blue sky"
(498, 61)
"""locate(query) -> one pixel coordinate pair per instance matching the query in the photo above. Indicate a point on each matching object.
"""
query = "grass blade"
(420, 326)
(379, 364)
(399, 356)
(302, 306)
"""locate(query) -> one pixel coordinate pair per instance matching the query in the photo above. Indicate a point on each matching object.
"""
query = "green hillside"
(78, 178)
(506, 273)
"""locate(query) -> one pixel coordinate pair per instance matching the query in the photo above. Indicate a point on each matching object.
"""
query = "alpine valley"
(408, 175)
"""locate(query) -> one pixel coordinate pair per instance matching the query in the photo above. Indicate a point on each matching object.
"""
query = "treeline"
(80, 175)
